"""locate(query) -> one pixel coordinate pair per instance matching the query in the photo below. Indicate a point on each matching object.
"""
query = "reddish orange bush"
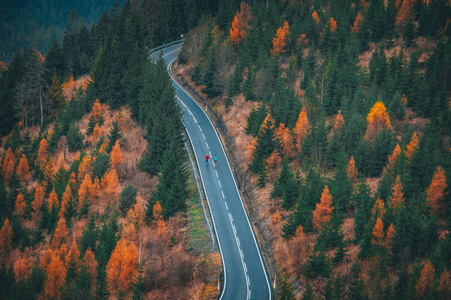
(8, 165)
(378, 232)
(42, 154)
(436, 191)
(357, 23)
(412, 146)
(287, 141)
(23, 170)
(315, 17)
(332, 24)
(91, 263)
(6, 240)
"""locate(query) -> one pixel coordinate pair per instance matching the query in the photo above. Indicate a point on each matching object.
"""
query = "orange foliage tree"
(377, 120)
(276, 217)
(85, 167)
(91, 263)
(60, 235)
(378, 208)
(8, 165)
(37, 202)
(394, 157)
(378, 232)
(96, 110)
(301, 128)
(273, 163)
(315, 17)
(240, 25)
(23, 170)
(6, 240)
(436, 191)
(357, 23)
(85, 192)
(426, 280)
(136, 215)
(20, 205)
(49, 171)
(42, 154)
(158, 219)
(116, 155)
(22, 268)
(73, 258)
(56, 276)
(279, 42)
(404, 13)
(351, 170)
(286, 140)
(67, 195)
(122, 266)
(412, 146)
(110, 183)
(390, 234)
(332, 24)
(323, 211)
(338, 123)
(397, 196)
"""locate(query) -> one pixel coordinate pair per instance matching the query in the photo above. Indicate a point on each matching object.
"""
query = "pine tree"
(286, 187)
(266, 144)
(209, 79)
(56, 97)
(102, 289)
(286, 288)
(115, 135)
(89, 236)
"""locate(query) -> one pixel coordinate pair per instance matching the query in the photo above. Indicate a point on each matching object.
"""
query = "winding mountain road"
(245, 276)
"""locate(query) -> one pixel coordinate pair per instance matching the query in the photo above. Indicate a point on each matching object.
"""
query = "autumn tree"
(397, 196)
(279, 42)
(110, 183)
(42, 154)
(137, 214)
(23, 170)
(436, 191)
(390, 234)
(85, 168)
(393, 158)
(60, 235)
(96, 110)
(90, 261)
(339, 123)
(56, 276)
(158, 219)
(238, 31)
(378, 232)
(412, 146)
(8, 165)
(323, 211)
(351, 170)
(404, 13)
(377, 120)
(425, 281)
(122, 266)
(378, 208)
(301, 128)
(37, 202)
(22, 268)
(315, 17)
(72, 261)
(85, 193)
(6, 240)
(332, 24)
(286, 140)
(357, 23)
(116, 156)
(20, 205)
(67, 195)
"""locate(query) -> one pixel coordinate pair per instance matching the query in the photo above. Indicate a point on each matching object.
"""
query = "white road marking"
(231, 218)
(223, 197)
(203, 136)
(195, 120)
(227, 207)
(200, 128)
(220, 184)
(216, 173)
(207, 146)
(245, 267)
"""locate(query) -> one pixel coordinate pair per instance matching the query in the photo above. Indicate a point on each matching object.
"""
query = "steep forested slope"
(347, 137)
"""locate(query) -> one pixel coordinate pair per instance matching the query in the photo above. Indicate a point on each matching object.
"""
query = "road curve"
(245, 276)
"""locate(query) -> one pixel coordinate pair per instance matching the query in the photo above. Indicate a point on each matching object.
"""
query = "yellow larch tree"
(73, 258)
(397, 196)
(84, 168)
(20, 205)
(37, 202)
(315, 17)
(351, 170)
(378, 208)
(276, 217)
(411, 147)
(238, 30)
(339, 122)
(301, 128)
(22, 268)
(110, 183)
(85, 192)
(60, 235)
(393, 158)
(425, 281)
(273, 163)
(8, 165)
(96, 110)
(436, 191)
(323, 211)
(378, 232)
(377, 120)
(43, 153)
(390, 234)
(67, 195)
(357, 23)
(49, 171)
(279, 42)
(23, 169)
(117, 158)
(286, 140)
(56, 276)
(136, 215)
(6, 240)
(332, 24)
(91, 263)
(159, 222)
(404, 13)
(122, 266)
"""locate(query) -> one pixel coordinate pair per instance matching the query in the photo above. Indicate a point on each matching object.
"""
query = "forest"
(91, 205)
(341, 115)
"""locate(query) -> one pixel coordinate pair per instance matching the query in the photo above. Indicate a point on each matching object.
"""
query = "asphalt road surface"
(245, 275)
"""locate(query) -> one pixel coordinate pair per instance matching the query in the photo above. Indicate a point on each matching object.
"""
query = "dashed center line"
(203, 136)
(219, 183)
(223, 197)
(227, 207)
(207, 145)
(216, 173)
(200, 128)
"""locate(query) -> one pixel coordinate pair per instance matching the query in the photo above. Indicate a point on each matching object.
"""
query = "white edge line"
(239, 195)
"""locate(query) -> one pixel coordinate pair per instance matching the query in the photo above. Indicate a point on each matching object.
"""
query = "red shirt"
(207, 157)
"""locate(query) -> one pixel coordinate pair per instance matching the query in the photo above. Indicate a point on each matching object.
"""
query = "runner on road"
(216, 159)
(207, 157)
